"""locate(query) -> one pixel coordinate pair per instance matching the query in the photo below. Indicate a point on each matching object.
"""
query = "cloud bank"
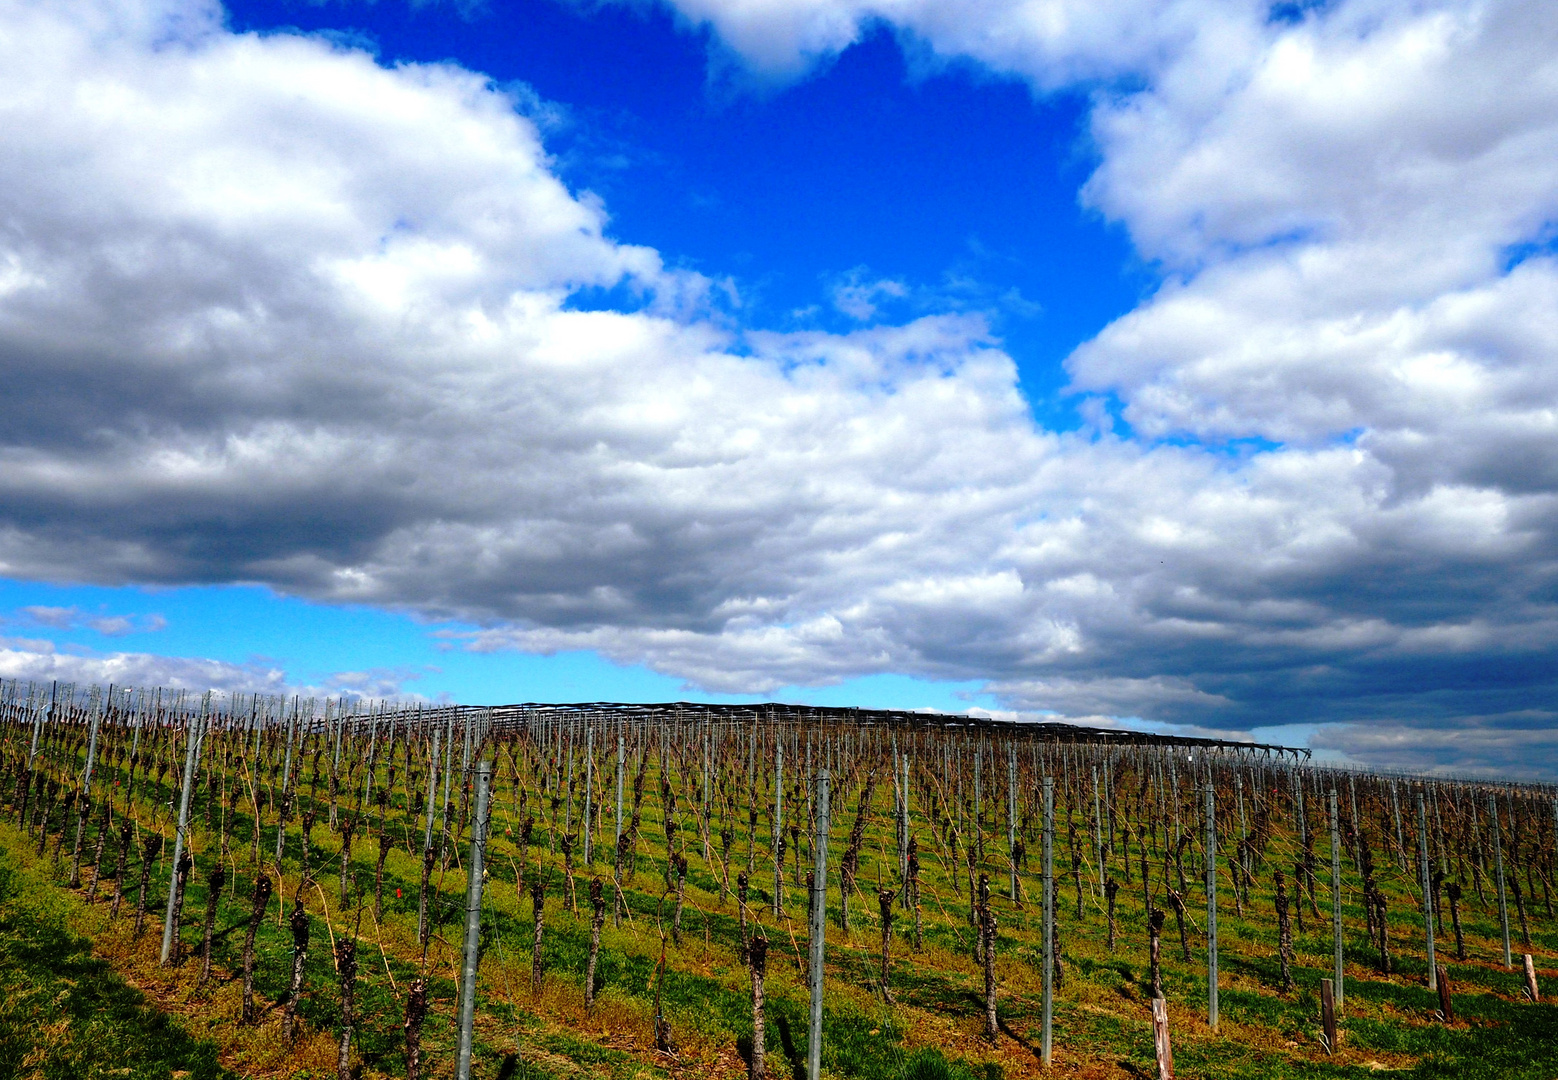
(271, 311)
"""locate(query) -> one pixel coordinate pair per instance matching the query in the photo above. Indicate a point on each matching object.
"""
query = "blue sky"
(953, 181)
(361, 649)
(1145, 362)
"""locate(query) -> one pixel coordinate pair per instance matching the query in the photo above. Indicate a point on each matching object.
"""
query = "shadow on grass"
(65, 1014)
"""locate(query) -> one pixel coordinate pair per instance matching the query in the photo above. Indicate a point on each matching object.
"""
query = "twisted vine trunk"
(987, 928)
(105, 821)
(1284, 932)
(416, 1012)
(126, 836)
(150, 851)
(299, 924)
(261, 900)
(180, 882)
(597, 920)
(1454, 892)
(346, 970)
(757, 963)
(884, 901)
(538, 910)
(216, 882)
(1155, 935)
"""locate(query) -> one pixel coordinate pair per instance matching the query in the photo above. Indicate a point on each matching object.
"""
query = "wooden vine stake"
(1531, 989)
(1446, 1008)
(1160, 1039)
(1328, 1015)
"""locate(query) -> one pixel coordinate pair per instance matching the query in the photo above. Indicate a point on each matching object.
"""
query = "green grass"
(932, 1032)
(65, 1014)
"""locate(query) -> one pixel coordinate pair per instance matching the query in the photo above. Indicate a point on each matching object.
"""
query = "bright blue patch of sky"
(958, 186)
(312, 643)
(1543, 245)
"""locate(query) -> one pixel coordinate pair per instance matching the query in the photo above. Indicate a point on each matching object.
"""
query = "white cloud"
(273, 312)
(41, 662)
(70, 618)
(857, 297)
(61, 618)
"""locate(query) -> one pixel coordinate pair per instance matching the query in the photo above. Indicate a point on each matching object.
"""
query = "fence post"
(1160, 1039)
(1498, 862)
(191, 755)
(1425, 876)
(286, 787)
(1211, 903)
(1049, 918)
(83, 807)
(1098, 830)
(1328, 1015)
(1336, 903)
(819, 927)
(778, 825)
(589, 791)
(473, 920)
(44, 714)
(1011, 815)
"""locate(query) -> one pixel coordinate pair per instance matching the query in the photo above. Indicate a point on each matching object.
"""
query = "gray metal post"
(1336, 902)
(778, 826)
(86, 773)
(903, 892)
(589, 788)
(373, 748)
(819, 927)
(443, 814)
(568, 805)
(1098, 830)
(1238, 787)
(621, 751)
(1395, 813)
(1011, 812)
(286, 782)
(1498, 857)
(1425, 879)
(191, 755)
(1211, 904)
(1049, 917)
(45, 713)
(703, 812)
(473, 920)
(432, 790)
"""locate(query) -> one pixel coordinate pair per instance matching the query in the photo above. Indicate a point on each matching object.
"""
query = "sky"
(1183, 365)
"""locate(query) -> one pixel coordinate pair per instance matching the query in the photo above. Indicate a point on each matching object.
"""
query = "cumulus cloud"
(272, 311)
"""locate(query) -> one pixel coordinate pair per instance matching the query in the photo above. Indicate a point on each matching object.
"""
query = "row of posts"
(1333, 989)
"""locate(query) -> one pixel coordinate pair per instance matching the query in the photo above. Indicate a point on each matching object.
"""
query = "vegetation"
(359, 817)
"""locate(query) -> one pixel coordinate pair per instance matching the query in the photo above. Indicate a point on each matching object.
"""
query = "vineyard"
(347, 888)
